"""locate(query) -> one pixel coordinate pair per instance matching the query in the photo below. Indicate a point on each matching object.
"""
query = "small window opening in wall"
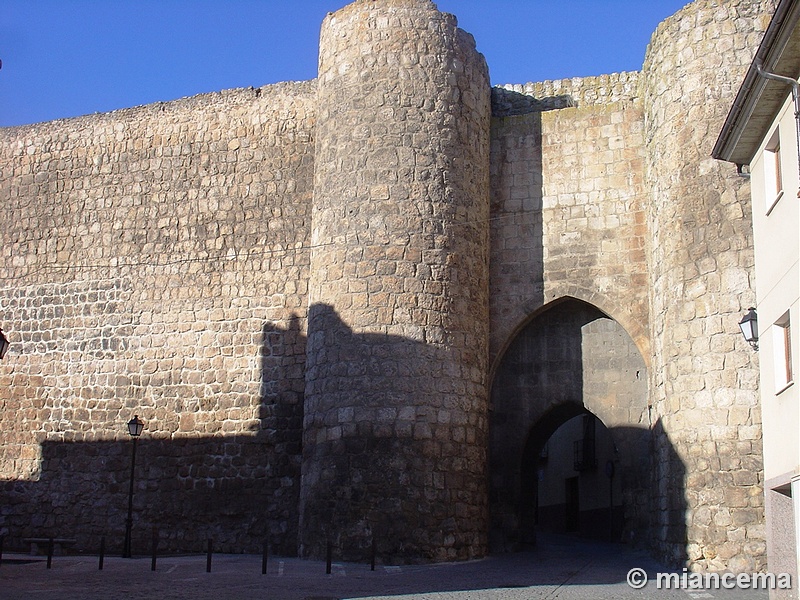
(782, 349)
(773, 180)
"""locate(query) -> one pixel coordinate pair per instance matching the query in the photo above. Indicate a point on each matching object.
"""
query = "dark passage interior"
(570, 441)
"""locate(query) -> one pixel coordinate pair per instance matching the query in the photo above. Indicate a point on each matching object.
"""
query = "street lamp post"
(135, 426)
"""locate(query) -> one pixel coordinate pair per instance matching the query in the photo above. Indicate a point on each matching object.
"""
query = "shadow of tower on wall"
(407, 461)
(393, 449)
(668, 524)
(239, 489)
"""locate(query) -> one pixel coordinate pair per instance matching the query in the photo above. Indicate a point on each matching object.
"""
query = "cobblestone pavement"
(559, 568)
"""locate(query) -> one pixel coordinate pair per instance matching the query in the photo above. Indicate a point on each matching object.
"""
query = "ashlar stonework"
(351, 311)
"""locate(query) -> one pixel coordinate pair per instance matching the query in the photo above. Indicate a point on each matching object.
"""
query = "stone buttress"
(704, 382)
(396, 386)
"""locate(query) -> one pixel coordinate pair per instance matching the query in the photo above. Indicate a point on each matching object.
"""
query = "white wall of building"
(776, 222)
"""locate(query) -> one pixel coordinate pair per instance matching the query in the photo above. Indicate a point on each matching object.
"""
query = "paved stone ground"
(559, 568)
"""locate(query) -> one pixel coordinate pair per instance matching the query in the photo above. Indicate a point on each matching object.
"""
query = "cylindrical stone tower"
(704, 386)
(395, 427)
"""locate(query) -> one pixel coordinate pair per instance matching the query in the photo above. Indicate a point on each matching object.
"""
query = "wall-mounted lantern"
(749, 327)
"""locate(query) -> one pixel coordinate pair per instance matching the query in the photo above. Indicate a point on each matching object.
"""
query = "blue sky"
(64, 58)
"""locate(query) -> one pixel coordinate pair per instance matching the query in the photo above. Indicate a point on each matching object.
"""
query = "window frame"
(782, 353)
(773, 173)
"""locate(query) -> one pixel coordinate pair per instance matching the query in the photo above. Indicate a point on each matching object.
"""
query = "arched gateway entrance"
(569, 430)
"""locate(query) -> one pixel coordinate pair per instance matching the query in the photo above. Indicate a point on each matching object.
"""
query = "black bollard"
(102, 553)
(208, 555)
(50, 553)
(372, 556)
(264, 558)
(155, 549)
(328, 558)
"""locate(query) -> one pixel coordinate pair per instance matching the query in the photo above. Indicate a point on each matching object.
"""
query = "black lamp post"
(4, 344)
(135, 426)
(749, 327)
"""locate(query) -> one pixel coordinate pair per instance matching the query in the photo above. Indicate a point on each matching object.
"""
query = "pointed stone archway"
(570, 359)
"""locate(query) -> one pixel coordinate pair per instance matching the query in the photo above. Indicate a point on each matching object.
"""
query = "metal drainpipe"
(795, 97)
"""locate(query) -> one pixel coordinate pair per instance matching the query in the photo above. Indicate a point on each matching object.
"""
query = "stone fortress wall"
(154, 262)
(307, 290)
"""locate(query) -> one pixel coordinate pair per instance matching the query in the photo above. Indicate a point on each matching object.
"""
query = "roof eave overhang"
(759, 99)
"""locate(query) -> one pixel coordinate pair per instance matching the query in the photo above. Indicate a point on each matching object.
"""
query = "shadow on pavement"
(560, 566)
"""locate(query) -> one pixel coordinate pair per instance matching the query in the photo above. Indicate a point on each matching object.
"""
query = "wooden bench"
(38, 544)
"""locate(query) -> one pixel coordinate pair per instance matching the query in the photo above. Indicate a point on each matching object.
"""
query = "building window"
(782, 344)
(773, 180)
